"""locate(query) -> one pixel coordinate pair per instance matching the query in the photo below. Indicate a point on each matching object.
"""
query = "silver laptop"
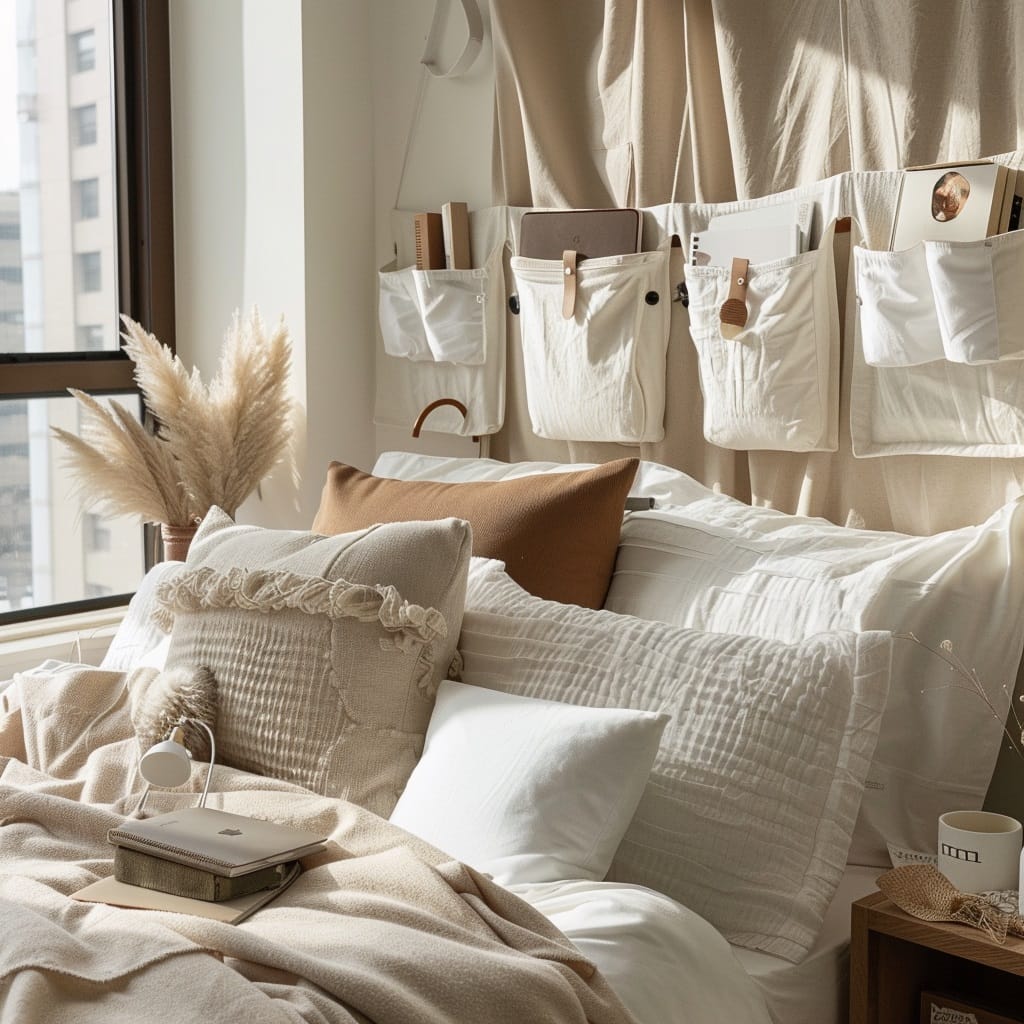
(216, 841)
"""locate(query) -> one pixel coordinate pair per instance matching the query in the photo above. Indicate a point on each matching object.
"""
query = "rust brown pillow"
(557, 533)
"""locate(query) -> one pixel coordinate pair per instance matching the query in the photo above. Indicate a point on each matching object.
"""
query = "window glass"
(57, 276)
(87, 199)
(83, 50)
(58, 296)
(90, 272)
(51, 551)
(89, 337)
(83, 125)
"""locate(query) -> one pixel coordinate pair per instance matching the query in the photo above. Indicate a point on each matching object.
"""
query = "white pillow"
(139, 639)
(652, 480)
(747, 815)
(528, 790)
(718, 564)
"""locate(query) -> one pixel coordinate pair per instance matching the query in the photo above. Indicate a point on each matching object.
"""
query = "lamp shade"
(166, 764)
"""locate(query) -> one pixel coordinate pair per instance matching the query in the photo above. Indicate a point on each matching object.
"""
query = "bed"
(683, 785)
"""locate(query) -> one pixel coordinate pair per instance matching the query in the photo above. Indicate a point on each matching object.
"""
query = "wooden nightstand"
(894, 956)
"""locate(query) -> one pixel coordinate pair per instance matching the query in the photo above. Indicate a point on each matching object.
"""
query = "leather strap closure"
(568, 283)
(733, 314)
(422, 418)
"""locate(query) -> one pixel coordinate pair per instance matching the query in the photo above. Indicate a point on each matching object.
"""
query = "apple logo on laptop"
(230, 832)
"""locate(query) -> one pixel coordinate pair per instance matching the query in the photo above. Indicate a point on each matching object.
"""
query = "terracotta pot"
(176, 541)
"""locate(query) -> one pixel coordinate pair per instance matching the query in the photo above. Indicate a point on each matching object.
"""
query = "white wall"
(450, 147)
(289, 122)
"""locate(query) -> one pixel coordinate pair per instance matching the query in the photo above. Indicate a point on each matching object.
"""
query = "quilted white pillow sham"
(327, 651)
(749, 809)
(528, 790)
(718, 564)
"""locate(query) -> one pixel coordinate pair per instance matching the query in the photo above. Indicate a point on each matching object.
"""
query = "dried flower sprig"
(967, 679)
(213, 444)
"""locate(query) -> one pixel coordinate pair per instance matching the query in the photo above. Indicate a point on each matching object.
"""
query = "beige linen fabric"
(381, 927)
(754, 99)
(629, 102)
(327, 652)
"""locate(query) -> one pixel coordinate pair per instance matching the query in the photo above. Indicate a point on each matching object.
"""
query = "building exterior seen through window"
(83, 50)
(87, 198)
(58, 292)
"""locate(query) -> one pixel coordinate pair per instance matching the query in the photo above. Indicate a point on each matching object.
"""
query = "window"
(83, 125)
(59, 330)
(87, 199)
(96, 532)
(83, 51)
(90, 271)
(89, 338)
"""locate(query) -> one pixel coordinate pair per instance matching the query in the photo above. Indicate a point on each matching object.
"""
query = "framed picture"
(937, 1008)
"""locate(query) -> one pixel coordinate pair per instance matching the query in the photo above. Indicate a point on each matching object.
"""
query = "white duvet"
(667, 964)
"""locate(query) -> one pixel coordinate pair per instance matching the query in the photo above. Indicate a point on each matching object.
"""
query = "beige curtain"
(634, 102)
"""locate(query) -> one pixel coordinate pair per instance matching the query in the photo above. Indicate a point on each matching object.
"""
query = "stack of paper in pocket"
(760, 234)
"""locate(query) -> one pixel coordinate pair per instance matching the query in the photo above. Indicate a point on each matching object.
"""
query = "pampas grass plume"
(212, 445)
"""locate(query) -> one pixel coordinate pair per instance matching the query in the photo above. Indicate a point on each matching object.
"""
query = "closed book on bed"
(133, 867)
(215, 841)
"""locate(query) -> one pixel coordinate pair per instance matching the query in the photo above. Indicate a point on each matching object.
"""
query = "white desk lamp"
(168, 763)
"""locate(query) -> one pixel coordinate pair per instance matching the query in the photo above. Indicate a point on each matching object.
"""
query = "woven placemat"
(924, 892)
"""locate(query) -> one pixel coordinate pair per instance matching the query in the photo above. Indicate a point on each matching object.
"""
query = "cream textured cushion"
(327, 651)
(749, 809)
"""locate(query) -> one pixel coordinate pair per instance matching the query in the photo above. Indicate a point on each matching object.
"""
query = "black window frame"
(145, 244)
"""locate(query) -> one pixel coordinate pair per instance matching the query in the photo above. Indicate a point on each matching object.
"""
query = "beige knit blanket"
(381, 928)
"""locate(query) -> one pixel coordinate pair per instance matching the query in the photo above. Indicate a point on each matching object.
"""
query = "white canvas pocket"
(964, 294)
(439, 315)
(401, 326)
(898, 323)
(957, 301)
(598, 375)
(443, 340)
(774, 385)
(452, 304)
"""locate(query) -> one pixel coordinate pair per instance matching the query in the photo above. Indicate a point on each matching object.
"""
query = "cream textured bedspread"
(380, 928)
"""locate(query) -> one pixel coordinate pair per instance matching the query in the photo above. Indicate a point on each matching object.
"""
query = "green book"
(135, 868)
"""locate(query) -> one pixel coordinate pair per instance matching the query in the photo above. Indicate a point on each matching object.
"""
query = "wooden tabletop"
(878, 914)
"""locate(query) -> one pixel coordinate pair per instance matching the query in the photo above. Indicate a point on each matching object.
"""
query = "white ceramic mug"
(979, 851)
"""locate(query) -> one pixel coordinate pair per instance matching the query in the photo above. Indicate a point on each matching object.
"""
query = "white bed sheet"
(666, 963)
(816, 990)
(669, 966)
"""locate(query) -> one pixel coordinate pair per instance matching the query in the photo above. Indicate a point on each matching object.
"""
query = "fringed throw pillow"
(327, 651)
